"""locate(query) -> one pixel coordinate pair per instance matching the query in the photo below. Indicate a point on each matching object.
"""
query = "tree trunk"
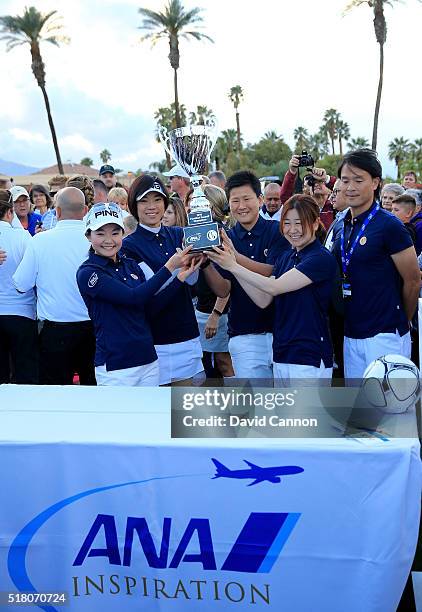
(53, 131)
(378, 102)
(340, 142)
(239, 144)
(176, 101)
(168, 160)
(332, 144)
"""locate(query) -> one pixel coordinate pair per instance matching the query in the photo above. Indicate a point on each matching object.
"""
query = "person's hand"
(211, 325)
(190, 269)
(294, 164)
(223, 257)
(178, 260)
(39, 228)
(227, 243)
(3, 257)
(319, 174)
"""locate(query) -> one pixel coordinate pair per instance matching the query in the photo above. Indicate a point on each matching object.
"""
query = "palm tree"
(32, 28)
(105, 156)
(380, 28)
(301, 136)
(397, 150)
(225, 145)
(87, 161)
(343, 133)
(318, 144)
(357, 143)
(173, 23)
(202, 114)
(330, 124)
(236, 96)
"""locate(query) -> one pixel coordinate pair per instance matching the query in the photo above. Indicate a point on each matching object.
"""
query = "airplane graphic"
(258, 473)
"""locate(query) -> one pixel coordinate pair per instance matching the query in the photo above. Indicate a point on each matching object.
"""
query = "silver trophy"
(190, 146)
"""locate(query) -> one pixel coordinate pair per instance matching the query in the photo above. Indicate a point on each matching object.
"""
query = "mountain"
(11, 168)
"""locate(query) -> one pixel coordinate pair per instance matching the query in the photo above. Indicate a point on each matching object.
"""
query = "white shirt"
(276, 216)
(14, 242)
(50, 264)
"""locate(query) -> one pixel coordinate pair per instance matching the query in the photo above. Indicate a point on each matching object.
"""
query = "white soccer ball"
(392, 384)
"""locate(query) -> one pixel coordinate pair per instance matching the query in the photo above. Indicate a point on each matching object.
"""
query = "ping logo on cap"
(157, 186)
(106, 211)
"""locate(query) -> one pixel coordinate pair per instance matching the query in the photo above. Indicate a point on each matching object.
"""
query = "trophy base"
(201, 237)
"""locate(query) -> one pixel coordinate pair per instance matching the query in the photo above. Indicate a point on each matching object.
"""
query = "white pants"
(252, 356)
(141, 376)
(359, 353)
(303, 375)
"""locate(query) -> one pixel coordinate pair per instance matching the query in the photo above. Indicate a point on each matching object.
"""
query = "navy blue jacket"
(301, 334)
(118, 297)
(178, 324)
(263, 243)
(376, 303)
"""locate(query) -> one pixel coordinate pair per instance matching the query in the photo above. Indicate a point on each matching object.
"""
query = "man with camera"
(316, 183)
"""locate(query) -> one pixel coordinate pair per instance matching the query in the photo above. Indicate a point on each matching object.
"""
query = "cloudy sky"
(292, 59)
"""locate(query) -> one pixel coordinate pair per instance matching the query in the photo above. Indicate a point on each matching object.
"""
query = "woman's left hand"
(225, 257)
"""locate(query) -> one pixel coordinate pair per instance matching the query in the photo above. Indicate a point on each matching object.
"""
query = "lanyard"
(346, 255)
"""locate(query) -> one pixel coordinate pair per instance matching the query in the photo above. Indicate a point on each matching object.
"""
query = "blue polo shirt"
(178, 323)
(263, 243)
(118, 297)
(376, 304)
(301, 329)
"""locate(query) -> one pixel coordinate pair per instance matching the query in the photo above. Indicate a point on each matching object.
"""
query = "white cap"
(18, 191)
(103, 214)
(177, 171)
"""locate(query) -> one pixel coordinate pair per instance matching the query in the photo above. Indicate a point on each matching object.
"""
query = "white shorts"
(360, 352)
(252, 356)
(140, 376)
(179, 360)
(303, 375)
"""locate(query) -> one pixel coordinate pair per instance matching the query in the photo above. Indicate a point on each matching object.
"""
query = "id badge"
(347, 289)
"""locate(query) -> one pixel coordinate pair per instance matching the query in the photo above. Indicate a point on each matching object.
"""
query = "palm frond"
(196, 35)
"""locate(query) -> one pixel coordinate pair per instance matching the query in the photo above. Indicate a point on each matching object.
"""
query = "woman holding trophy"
(301, 288)
(176, 335)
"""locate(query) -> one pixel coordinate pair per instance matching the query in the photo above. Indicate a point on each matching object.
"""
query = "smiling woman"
(176, 337)
(118, 298)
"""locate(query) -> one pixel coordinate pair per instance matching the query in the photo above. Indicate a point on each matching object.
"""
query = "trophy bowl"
(190, 146)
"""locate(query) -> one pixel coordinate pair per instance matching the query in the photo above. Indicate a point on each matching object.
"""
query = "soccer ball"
(392, 384)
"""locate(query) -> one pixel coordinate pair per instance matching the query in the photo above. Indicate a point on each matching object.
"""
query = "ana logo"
(193, 238)
(93, 280)
(265, 252)
(212, 235)
(156, 186)
(134, 276)
(253, 546)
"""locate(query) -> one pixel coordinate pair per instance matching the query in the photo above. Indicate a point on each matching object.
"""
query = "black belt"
(62, 323)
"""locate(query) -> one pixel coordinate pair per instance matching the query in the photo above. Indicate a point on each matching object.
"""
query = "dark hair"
(41, 189)
(412, 173)
(6, 202)
(405, 199)
(364, 159)
(241, 178)
(308, 211)
(140, 185)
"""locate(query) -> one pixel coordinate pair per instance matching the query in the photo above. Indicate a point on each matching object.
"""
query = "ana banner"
(101, 507)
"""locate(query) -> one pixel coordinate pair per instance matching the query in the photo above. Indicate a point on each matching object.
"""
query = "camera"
(306, 160)
(310, 180)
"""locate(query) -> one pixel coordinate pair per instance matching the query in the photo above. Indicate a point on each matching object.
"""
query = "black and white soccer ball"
(392, 384)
